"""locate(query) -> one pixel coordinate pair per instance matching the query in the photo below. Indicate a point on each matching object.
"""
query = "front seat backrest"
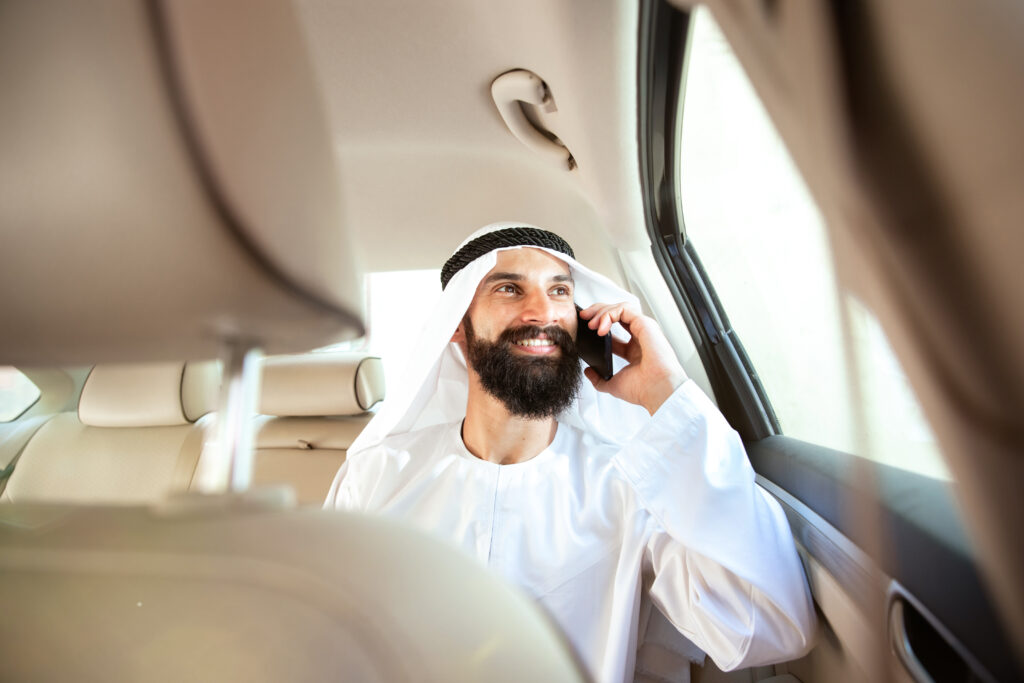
(313, 407)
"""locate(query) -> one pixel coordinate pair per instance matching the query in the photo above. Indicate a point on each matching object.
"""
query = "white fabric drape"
(580, 525)
(617, 498)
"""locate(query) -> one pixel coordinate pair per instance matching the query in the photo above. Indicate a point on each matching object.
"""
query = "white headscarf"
(434, 387)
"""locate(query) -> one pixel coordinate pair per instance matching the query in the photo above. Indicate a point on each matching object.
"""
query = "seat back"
(178, 193)
(313, 407)
(226, 589)
(13, 437)
(136, 437)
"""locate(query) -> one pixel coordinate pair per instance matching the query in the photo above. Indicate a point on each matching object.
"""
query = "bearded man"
(583, 493)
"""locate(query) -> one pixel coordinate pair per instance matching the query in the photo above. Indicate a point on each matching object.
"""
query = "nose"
(538, 309)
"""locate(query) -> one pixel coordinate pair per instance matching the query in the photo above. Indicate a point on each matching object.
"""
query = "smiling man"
(522, 355)
(582, 492)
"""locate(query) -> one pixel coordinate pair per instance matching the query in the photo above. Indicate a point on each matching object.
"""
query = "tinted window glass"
(17, 393)
(824, 361)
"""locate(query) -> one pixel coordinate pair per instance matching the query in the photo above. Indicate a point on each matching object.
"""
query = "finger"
(628, 314)
(617, 313)
(592, 310)
(603, 318)
(646, 331)
(595, 321)
(606, 323)
(599, 314)
(595, 379)
(610, 317)
(619, 347)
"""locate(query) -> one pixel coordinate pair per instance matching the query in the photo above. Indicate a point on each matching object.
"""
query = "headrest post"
(229, 464)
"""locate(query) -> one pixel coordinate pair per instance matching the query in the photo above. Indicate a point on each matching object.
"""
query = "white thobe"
(582, 525)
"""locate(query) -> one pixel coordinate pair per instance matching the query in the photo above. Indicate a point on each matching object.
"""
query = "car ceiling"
(424, 155)
(251, 158)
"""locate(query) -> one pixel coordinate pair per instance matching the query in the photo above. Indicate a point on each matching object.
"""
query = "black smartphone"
(594, 349)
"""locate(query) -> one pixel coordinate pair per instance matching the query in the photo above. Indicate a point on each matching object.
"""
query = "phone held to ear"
(594, 349)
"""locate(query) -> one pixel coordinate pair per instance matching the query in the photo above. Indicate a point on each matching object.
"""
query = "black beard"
(531, 387)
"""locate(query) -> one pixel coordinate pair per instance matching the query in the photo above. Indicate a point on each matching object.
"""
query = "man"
(580, 492)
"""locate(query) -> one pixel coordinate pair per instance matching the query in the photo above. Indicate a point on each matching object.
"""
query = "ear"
(459, 336)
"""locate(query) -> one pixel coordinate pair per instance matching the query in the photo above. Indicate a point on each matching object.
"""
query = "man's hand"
(653, 372)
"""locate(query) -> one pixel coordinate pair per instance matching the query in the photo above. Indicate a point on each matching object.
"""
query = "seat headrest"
(149, 395)
(198, 143)
(321, 384)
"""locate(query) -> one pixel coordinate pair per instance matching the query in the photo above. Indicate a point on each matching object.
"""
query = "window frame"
(664, 51)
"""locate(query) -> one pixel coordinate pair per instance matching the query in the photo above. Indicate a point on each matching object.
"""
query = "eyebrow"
(517, 277)
(494, 277)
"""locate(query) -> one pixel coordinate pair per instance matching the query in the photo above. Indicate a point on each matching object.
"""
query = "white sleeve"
(726, 571)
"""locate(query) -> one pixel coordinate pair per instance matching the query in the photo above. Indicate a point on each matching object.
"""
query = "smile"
(535, 342)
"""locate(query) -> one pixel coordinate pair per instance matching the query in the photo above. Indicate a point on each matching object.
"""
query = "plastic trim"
(662, 62)
(927, 549)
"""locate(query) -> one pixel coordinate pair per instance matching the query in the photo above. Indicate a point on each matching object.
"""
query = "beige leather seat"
(137, 436)
(13, 437)
(313, 406)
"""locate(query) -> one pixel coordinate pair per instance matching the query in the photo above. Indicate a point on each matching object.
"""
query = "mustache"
(530, 387)
(556, 334)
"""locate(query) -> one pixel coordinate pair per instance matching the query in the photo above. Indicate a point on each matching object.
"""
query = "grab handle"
(514, 89)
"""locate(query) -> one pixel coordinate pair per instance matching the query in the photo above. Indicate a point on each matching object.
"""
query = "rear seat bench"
(137, 436)
(313, 407)
(13, 437)
(139, 430)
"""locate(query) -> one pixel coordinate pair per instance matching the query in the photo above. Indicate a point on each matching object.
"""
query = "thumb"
(594, 378)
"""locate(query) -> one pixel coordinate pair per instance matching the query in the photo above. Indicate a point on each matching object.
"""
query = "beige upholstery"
(177, 153)
(157, 394)
(13, 437)
(200, 388)
(218, 591)
(314, 408)
(321, 384)
(132, 440)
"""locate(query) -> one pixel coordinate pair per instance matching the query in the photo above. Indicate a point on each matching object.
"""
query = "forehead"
(530, 263)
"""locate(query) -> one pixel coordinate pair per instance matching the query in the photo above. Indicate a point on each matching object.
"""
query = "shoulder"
(372, 473)
(422, 442)
(434, 434)
(586, 447)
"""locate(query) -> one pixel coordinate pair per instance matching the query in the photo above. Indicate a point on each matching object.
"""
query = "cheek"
(497, 320)
(485, 327)
(571, 323)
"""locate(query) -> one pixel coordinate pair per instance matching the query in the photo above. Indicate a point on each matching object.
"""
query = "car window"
(17, 393)
(762, 240)
(398, 304)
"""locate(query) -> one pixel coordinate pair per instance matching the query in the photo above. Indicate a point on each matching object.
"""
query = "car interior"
(221, 228)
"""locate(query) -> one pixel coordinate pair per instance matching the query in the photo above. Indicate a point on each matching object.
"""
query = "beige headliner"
(424, 156)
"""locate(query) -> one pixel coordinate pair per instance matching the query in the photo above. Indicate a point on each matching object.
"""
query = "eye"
(507, 289)
(561, 290)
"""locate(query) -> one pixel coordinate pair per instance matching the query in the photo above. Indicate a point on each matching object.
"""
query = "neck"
(493, 434)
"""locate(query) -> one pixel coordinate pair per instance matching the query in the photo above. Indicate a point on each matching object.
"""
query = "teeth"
(535, 342)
